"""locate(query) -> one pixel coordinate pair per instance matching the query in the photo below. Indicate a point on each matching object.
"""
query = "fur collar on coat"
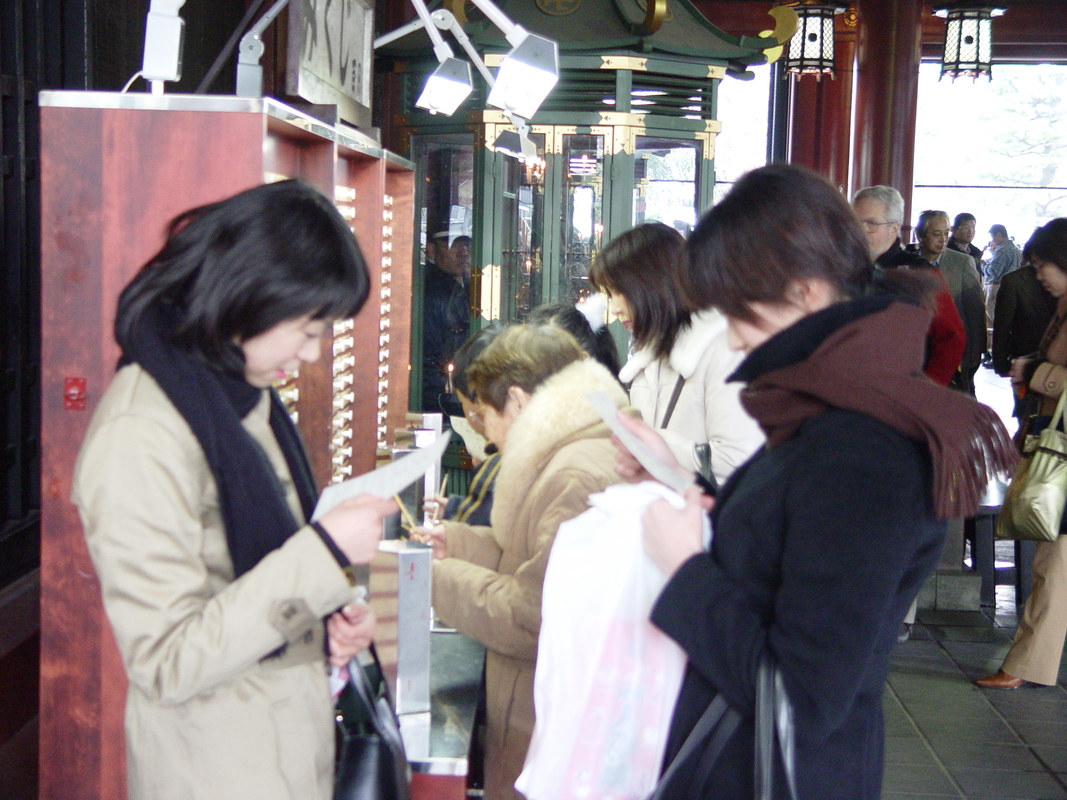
(690, 346)
(556, 414)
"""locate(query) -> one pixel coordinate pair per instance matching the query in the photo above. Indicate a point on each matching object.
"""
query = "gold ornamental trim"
(716, 71)
(458, 9)
(559, 8)
(556, 139)
(707, 139)
(632, 63)
(491, 289)
(620, 118)
(655, 13)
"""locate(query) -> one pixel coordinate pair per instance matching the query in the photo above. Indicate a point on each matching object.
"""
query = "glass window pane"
(742, 145)
(665, 182)
(523, 224)
(1000, 154)
(581, 225)
(444, 167)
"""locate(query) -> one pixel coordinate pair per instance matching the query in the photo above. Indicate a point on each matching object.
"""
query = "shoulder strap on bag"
(380, 708)
(1057, 415)
(773, 725)
(672, 402)
(715, 726)
(774, 722)
(391, 778)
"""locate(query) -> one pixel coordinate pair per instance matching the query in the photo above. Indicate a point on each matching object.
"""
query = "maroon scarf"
(873, 365)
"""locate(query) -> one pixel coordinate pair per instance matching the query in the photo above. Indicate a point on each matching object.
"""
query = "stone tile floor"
(946, 738)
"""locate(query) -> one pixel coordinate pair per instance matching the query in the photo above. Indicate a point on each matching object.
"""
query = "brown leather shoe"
(1001, 680)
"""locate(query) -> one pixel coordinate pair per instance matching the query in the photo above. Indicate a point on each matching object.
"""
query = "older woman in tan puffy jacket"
(555, 451)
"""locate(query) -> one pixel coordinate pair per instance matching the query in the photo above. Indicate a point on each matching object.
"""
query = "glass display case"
(626, 135)
(442, 281)
(665, 181)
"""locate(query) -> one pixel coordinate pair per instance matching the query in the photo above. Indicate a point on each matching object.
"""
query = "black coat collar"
(797, 342)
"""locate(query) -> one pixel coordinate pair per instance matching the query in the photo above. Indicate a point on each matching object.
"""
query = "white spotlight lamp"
(164, 36)
(526, 76)
(516, 143)
(528, 73)
(524, 79)
(448, 86)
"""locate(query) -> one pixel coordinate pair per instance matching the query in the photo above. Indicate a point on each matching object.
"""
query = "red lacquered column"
(888, 51)
(821, 114)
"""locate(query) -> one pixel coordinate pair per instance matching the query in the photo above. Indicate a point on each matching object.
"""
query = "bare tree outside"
(997, 149)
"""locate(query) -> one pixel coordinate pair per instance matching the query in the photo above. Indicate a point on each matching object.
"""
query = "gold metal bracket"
(624, 62)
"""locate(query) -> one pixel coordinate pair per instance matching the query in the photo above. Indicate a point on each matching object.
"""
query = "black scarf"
(866, 355)
(252, 500)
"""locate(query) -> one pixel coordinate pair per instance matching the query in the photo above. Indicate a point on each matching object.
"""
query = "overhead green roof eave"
(607, 26)
(599, 24)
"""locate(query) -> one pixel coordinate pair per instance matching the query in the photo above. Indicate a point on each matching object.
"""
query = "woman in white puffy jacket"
(680, 363)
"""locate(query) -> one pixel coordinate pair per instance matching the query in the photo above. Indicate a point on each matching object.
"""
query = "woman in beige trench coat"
(195, 492)
(1035, 654)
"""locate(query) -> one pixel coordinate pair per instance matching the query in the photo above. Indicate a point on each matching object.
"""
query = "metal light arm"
(446, 20)
(250, 51)
(163, 40)
(399, 33)
(440, 47)
(513, 32)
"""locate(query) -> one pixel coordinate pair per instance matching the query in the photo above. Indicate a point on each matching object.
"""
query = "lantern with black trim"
(968, 51)
(811, 50)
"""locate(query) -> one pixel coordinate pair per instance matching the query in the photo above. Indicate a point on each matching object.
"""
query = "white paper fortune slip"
(656, 467)
(386, 481)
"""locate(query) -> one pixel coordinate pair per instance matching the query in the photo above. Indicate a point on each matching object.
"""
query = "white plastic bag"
(606, 679)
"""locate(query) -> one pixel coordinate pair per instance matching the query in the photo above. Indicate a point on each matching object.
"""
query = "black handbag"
(371, 762)
(774, 735)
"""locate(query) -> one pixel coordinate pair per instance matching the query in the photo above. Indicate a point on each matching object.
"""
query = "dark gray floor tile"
(1041, 733)
(918, 779)
(962, 619)
(1055, 758)
(907, 750)
(983, 731)
(1028, 705)
(960, 752)
(1008, 785)
(984, 636)
(900, 728)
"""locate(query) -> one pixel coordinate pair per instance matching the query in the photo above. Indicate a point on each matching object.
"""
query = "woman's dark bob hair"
(778, 224)
(599, 343)
(643, 266)
(234, 269)
(1049, 243)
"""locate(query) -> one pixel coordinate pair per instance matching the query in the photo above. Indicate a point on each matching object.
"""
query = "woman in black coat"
(823, 538)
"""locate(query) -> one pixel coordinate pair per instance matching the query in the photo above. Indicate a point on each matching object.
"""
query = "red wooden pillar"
(888, 51)
(821, 114)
